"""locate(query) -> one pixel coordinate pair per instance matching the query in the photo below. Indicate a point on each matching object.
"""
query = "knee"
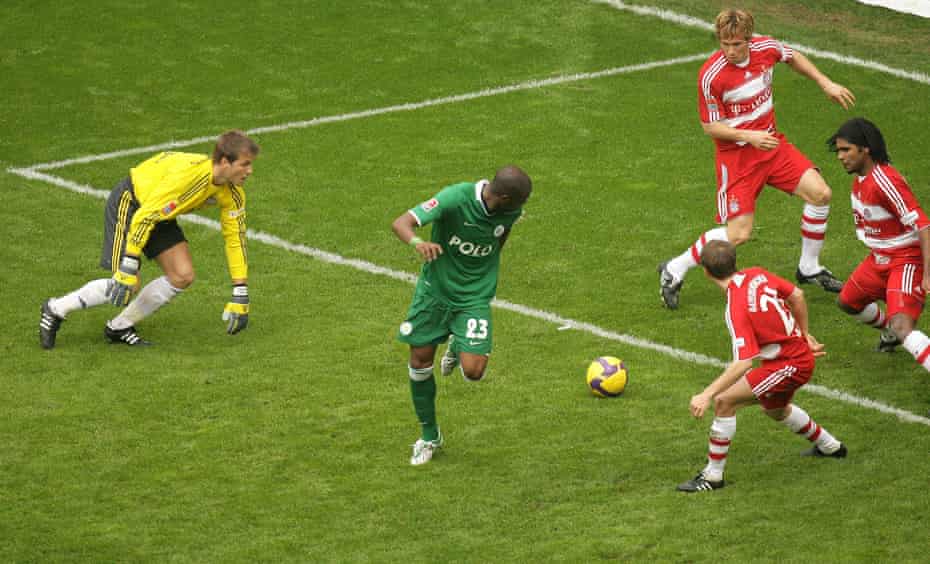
(739, 236)
(739, 232)
(723, 407)
(182, 279)
(473, 373)
(901, 325)
(474, 367)
(822, 196)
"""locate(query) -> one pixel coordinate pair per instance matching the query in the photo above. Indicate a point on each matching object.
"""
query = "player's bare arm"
(798, 308)
(404, 227)
(836, 92)
(759, 139)
(733, 372)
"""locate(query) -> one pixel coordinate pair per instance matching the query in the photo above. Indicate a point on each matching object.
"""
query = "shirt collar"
(479, 186)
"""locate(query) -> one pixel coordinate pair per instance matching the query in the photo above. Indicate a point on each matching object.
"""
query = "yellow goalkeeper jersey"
(170, 184)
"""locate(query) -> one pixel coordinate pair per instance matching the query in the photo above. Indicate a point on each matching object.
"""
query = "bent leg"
(815, 192)
(178, 265)
(801, 423)
(474, 366)
(723, 427)
(92, 294)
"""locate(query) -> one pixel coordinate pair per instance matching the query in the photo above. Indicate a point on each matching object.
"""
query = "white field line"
(689, 21)
(408, 107)
(32, 172)
(559, 321)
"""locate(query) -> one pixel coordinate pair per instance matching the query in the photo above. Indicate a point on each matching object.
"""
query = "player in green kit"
(471, 222)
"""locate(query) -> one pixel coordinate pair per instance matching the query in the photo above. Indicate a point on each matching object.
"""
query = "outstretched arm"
(836, 92)
(733, 372)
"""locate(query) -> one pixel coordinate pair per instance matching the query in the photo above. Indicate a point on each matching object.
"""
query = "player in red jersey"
(737, 111)
(767, 319)
(891, 223)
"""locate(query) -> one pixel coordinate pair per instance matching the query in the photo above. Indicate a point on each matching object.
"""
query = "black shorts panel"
(121, 206)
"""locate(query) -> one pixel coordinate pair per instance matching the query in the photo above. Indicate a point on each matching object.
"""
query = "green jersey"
(465, 273)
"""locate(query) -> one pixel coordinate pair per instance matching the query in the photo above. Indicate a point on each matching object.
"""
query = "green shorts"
(430, 322)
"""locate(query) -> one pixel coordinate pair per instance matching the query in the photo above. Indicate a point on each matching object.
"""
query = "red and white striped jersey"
(887, 214)
(760, 323)
(741, 95)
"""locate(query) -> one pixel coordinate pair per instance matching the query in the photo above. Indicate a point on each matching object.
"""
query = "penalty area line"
(691, 21)
(561, 323)
(407, 107)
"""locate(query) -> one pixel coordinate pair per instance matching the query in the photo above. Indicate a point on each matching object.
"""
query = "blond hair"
(735, 24)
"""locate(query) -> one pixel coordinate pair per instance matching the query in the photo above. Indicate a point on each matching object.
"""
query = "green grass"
(290, 442)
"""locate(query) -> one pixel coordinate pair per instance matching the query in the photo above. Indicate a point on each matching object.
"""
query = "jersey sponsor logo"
(429, 204)
(499, 230)
(469, 248)
(169, 208)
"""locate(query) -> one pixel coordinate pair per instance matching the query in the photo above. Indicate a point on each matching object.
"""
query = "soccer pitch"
(290, 442)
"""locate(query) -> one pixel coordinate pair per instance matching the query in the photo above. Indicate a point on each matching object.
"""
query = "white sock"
(872, 315)
(92, 294)
(420, 374)
(801, 423)
(680, 265)
(718, 447)
(155, 294)
(918, 344)
(813, 231)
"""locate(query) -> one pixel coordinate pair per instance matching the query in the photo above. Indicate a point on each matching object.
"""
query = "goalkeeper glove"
(236, 312)
(124, 281)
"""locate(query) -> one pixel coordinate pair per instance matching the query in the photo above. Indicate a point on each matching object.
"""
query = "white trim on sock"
(420, 374)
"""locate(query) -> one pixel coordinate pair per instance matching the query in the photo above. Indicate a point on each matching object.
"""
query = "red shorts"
(743, 172)
(894, 280)
(775, 382)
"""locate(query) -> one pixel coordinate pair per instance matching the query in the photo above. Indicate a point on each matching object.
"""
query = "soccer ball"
(607, 377)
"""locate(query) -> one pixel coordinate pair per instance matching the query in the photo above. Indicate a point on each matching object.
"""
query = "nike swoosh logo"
(467, 224)
(474, 343)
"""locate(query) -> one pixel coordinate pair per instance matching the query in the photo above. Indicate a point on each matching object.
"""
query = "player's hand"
(236, 312)
(840, 94)
(124, 281)
(429, 251)
(761, 140)
(816, 347)
(925, 284)
(699, 404)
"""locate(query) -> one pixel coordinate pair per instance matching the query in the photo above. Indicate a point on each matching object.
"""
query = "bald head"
(511, 186)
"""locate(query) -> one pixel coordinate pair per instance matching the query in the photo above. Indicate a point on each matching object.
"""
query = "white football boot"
(423, 450)
(449, 360)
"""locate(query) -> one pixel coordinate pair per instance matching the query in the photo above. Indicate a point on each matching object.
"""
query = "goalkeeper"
(141, 218)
